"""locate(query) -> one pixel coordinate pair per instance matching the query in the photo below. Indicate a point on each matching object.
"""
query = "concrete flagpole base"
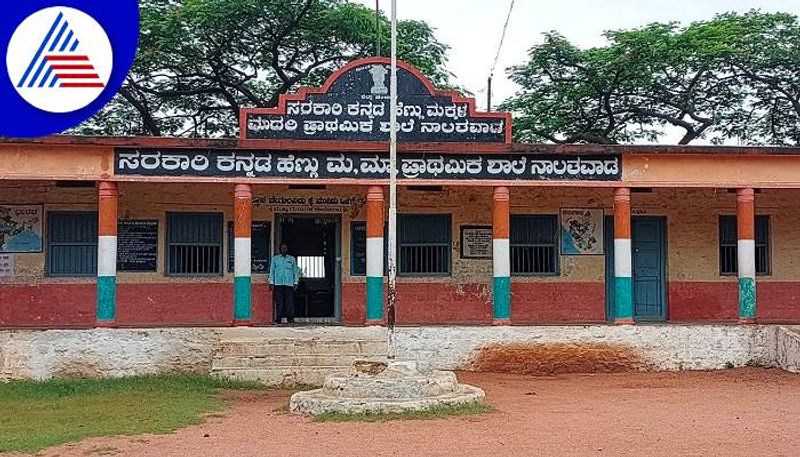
(380, 388)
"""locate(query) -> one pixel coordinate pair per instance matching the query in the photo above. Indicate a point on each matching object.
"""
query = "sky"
(472, 28)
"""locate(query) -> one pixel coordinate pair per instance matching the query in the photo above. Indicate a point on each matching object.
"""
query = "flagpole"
(392, 254)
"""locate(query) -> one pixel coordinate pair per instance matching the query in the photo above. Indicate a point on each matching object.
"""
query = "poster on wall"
(21, 228)
(476, 242)
(581, 231)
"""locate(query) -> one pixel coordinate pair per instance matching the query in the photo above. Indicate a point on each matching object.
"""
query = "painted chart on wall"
(581, 231)
(21, 228)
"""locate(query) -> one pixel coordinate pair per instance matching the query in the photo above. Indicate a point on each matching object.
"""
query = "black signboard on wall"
(137, 245)
(232, 163)
(358, 249)
(353, 105)
(260, 250)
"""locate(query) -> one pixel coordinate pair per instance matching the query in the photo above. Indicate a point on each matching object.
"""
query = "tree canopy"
(199, 61)
(736, 76)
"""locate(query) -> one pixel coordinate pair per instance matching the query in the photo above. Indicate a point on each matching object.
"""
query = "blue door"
(649, 245)
(649, 268)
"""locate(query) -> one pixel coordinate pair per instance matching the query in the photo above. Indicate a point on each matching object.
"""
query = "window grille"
(729, 251)
(424, 244)
(72, 244)
(534, 245)
(194, 244)
(312, 267)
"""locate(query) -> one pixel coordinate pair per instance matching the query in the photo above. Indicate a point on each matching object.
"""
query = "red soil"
(729, 413)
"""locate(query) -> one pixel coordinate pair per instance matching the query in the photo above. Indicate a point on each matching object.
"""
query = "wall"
(786, 341)
(103, 353)
(696, 291)
(122, 352)
(653, 347)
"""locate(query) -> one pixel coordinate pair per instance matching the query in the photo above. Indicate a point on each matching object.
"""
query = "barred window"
(424, 244)
(194, 244)
(534, 245)
(728, 246)
(72, 244)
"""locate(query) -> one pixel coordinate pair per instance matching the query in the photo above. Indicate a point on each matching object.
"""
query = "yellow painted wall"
(692, 216)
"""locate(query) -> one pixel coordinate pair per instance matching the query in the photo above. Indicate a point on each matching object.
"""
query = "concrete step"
(267, 347)
(294, 355)
(296, 360)
(303, 332)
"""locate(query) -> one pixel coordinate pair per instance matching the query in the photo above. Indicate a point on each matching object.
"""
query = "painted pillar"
(108, 196)
(501, 256)
(623, 257)
(375, 255)
(242, 227)
(745, 204)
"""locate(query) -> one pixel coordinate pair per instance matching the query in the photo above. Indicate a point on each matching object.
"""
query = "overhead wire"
(502, 39)
(497, 57)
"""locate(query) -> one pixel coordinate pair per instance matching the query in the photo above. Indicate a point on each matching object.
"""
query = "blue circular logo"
(64, 60)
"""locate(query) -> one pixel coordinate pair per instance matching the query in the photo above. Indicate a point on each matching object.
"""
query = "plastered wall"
(696, 291)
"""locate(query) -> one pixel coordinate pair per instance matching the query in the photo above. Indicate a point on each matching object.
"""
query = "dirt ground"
(729, 413)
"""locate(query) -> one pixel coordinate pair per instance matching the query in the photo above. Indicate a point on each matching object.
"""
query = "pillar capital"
(622, 194)
(501, 193)
(243, 191)
(375, 194)
(107, 189)
(745, 195)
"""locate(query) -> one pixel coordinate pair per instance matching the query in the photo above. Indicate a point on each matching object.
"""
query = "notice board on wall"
(137, 245)
(476, 242)
(358, 248)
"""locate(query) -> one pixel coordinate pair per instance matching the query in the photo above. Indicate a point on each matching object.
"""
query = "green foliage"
(736, 76)
(199, 61)
(435, 413)
(37, 415)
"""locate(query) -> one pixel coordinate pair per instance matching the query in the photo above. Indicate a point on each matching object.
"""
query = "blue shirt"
(283, 271)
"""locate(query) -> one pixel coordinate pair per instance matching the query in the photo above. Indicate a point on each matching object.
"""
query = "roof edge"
(539, 148)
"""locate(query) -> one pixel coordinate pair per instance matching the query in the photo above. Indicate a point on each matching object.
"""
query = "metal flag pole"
(392, 254)
(377, 28)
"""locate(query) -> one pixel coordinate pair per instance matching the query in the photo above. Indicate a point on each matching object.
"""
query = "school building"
(164, 232)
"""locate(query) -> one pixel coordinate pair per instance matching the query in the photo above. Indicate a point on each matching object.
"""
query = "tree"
(735, 76)
(199, 61)
(761, 52)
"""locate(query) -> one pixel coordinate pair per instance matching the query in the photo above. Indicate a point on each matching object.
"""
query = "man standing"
(283, 278)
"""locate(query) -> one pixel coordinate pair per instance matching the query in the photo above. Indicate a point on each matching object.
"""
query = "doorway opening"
(649, 267)
(315, 241)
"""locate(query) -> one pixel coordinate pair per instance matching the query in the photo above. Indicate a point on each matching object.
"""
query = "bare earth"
(730, 413)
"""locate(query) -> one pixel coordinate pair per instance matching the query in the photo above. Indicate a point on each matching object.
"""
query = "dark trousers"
(284, 303)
